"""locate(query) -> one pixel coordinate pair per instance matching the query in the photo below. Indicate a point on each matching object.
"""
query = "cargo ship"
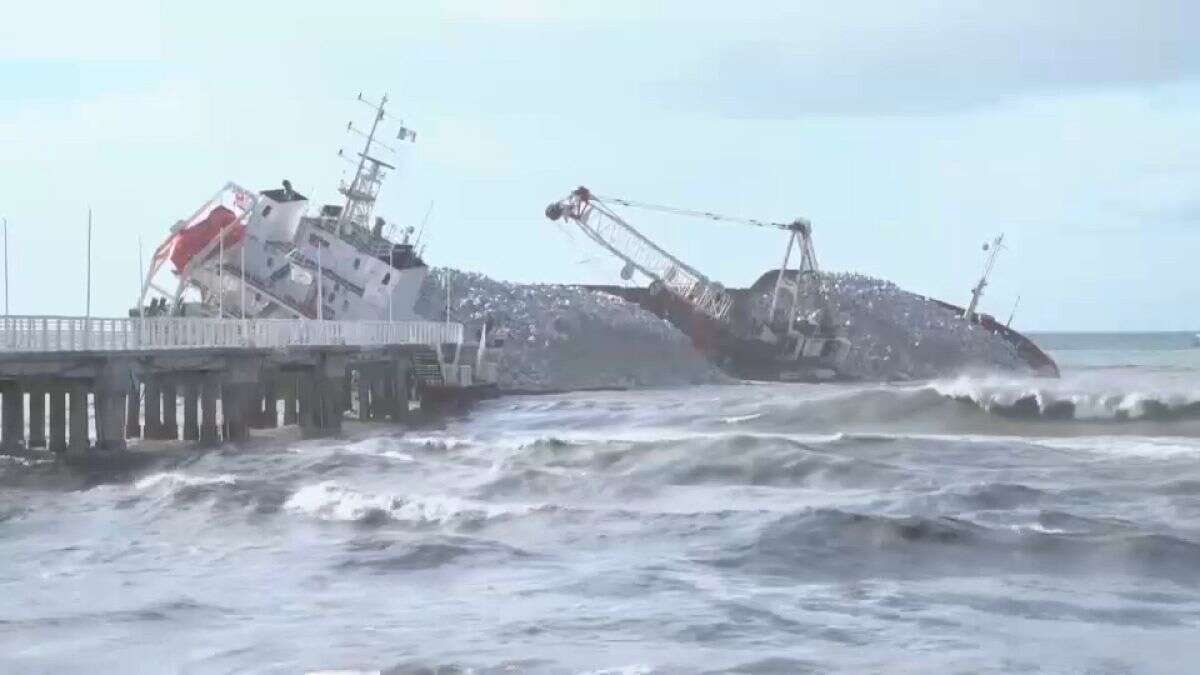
(781, 328)
(268, 255)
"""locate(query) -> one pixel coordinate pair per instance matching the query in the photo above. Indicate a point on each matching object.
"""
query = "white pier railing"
(20, 334)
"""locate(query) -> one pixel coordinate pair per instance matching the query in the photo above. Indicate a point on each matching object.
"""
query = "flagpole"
(221, 274)
(242, 265)
(6, 267)
(88, 313)
(141, 278)
(320, 291)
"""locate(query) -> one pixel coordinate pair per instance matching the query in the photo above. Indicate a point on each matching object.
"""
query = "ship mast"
(363, 190)
(977, 292)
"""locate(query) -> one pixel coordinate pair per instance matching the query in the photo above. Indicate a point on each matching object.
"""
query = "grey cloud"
(937, 57)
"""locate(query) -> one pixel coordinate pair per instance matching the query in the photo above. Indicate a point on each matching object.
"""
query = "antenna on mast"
(368, 176)
(424, 220)
(977, 292)
(1013, 312)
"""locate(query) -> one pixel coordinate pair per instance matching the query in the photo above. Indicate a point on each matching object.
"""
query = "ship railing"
(20, 334)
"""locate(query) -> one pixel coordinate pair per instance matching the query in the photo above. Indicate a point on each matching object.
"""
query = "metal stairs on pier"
(427, 367)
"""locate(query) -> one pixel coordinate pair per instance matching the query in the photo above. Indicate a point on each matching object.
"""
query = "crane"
(977, 291)
(599, 222)
(602, 225)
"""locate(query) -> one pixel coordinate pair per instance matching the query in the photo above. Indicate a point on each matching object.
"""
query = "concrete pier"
(404, 390)
(77, 408)
(170, 408)
(37, 415)
(133, 412)
(152, 402)
(110, 388)
(378, 396)
(347, 390)
(330, 384)
(95, 402)
(210, 389)
(270, 418)
(363, 382)
(191, 408)
(264, 410)
(12, 432)
(305, 392)
(58, 418)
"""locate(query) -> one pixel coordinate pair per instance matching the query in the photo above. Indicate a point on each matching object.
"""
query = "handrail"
(19, 334)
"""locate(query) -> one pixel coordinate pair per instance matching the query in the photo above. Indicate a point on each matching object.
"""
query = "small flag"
(300, 275)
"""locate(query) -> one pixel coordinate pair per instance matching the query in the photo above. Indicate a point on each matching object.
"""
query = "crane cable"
(704, 214)
(590, 261)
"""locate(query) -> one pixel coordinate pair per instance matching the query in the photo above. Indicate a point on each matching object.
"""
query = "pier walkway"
(26, 334)
(77, 385)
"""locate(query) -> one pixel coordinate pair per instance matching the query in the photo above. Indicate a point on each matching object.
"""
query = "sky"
(908, 132)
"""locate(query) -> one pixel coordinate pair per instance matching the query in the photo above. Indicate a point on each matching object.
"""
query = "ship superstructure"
(267, 255)
(271, 255)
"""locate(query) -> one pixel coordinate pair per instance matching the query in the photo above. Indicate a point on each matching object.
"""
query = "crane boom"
(800, 224)
(977, 291)
(795, 343)
(612, 232)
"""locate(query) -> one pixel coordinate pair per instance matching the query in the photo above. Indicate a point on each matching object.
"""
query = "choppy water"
(975, 525)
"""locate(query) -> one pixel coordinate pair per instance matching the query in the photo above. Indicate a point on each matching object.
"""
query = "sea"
(976, 524)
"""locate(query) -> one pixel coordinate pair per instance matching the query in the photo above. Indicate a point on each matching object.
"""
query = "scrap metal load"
(796, 337)
(565, 337)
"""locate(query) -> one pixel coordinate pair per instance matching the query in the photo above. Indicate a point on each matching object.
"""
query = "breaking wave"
(968, 405)
(833, 543)
(386, 556)
(170, 481)
(331, 501)
(1023, 400)
(551, 465)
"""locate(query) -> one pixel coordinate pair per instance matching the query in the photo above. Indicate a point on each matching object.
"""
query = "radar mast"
(363, 190)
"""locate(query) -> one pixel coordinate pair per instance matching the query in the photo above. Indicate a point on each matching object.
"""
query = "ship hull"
(752, 359)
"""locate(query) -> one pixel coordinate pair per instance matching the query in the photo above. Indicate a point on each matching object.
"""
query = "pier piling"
(170, 408)
(13, 429)
(270, 411)
(378, 399)
(153, 426)
(290, 386)
(191, 405)
(85, 400)
(78, 442)
(58, 418)
(364, 395)
(37, 415)
(209, 390)
(133, 412)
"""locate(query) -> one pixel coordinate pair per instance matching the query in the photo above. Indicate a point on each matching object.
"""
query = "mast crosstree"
(363, 189)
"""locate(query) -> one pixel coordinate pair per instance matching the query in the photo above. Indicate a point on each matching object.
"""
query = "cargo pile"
(896, 334)
(564, 337)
